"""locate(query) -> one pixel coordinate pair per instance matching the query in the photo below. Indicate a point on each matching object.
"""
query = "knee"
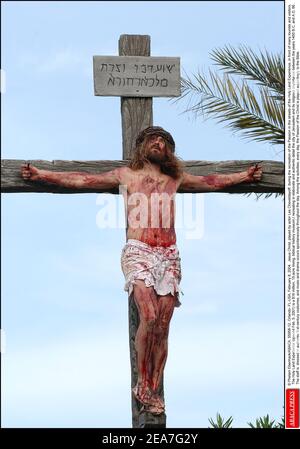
(162, 327)
(149, 321)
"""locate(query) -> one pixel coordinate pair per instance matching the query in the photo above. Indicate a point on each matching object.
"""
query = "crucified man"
(150, 258)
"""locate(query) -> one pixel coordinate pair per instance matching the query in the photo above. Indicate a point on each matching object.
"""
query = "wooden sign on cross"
(137, 77)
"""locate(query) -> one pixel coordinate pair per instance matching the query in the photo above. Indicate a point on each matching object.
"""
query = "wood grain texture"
(11, 180)
(136, 113)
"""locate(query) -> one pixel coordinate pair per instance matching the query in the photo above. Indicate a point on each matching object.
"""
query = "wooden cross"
(136, 111)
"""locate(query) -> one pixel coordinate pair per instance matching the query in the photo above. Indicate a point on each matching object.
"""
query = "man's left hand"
(254, 173)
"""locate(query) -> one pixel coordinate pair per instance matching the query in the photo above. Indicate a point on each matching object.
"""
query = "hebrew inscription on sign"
(136, 76)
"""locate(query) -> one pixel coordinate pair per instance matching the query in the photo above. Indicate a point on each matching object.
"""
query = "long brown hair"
(171, 166)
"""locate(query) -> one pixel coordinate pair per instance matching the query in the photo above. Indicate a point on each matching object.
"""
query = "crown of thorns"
(158, 131)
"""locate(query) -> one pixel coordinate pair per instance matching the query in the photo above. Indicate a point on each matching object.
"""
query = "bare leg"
(160, 344)
(146, 301)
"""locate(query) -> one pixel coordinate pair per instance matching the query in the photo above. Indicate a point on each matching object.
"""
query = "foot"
(148, 397)
(154, 409)
(143, 394)
(158, 401)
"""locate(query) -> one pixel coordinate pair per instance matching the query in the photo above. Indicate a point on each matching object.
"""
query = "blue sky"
(64, 310)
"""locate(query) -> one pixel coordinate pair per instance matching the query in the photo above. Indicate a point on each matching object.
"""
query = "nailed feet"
(150, 400)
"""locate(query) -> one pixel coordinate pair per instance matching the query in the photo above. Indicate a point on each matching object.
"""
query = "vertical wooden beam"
(136, 115)
(136, 112)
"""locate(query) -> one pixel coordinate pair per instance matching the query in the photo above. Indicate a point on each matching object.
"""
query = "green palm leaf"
(226, 100)
(221, 423)
(263, 423)
(266, 69)
(257, 112)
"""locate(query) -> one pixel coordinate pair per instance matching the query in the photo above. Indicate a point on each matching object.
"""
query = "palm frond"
(281, 424)
(260, 195)
(227, 101)
(221, 423)
(266, 69)
(263, 423)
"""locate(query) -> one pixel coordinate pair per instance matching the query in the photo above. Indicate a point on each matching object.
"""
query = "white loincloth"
(157, 266)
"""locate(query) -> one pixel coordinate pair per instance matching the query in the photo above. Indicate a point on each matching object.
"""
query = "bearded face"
(156, 149)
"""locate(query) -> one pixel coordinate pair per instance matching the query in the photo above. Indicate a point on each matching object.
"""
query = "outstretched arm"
(212, 183)
(73, 180)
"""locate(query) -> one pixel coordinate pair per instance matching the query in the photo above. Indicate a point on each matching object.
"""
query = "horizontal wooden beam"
(12, 182)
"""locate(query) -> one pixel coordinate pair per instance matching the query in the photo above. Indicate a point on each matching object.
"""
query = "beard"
(168, 163)
(156, 157)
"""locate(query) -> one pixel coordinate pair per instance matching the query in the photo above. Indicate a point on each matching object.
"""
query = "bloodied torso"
(150, 206)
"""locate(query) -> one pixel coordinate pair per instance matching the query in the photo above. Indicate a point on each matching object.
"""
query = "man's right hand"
(29, 172)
